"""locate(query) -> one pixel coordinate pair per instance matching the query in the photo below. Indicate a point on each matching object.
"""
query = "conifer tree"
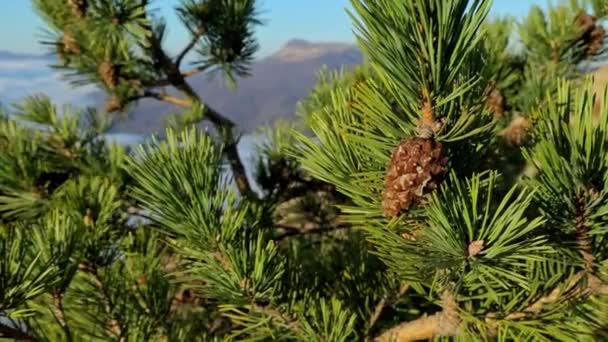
(452, 188)
(119, 46)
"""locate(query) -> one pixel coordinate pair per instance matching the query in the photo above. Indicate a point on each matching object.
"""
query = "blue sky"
(315, 20)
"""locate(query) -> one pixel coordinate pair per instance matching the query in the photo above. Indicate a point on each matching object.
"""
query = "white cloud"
(22, 78)
(27, 64)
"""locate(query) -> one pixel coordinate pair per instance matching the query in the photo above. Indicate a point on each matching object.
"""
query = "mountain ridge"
(276, 84)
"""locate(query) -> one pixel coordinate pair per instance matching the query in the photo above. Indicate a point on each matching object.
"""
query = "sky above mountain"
(23, 72)
(314, 20)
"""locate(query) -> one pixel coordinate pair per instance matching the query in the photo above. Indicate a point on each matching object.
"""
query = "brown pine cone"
(417, 166)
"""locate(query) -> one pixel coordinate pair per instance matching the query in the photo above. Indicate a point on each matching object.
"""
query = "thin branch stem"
(224, 125)
(444, 323)
(195, 38)
(292, 323)
(115, 327)
(59, 314)
(582, 232)
(194, 71)
(423, 328)
(383, 304)
(181, 102)
(556, 294)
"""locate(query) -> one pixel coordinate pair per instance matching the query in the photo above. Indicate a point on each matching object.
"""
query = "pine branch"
(383, 304)
(162, 97)
(594, 287)
(195, 38)
(556, 294)
(443, 323)
(290, 322)
(423, 328)
(115, 326)
(224, 125)
(194, 71)
(582, 233)
(59, 314)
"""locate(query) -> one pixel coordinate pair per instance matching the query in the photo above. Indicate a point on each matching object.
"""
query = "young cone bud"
(417, 167)
(496, 102)
(70, 45)
(88, 218)
(113, 104)
(79, 7)
(108, 73)
(515, 134)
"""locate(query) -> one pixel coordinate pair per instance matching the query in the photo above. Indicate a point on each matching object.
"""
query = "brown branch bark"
(423, 328)
(194, 71)
(443, 323)
(224, 125)
(161, 97)
(383, 304)
(556, 294)
(59, 314)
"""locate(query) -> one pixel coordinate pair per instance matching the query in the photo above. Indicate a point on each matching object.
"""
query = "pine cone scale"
(416, 167)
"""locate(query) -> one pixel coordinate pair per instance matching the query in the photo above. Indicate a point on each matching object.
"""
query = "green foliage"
(24, 276)
(118, 44)
(103, 243)
(570, 158)
(227, 30)
(417, 74)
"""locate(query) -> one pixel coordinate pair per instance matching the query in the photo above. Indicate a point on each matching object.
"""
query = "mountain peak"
(294, 43)
(297, 50)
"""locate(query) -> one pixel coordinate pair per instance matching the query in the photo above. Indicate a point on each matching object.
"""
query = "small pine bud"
(79, 7)
(70, 45)
(496, 102)
(407, 236)
(108, 73)
(113, 104)
(88, 218)
(475, 247)
(68, 153)
(516, 133)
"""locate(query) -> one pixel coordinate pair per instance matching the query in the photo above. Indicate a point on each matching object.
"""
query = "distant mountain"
(9, 55)
(271, 92)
